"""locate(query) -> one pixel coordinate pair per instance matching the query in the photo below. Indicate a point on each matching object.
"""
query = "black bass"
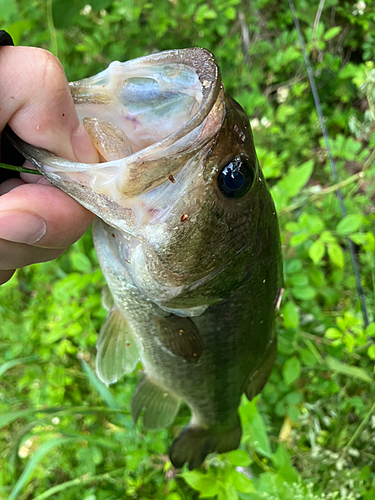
(187, 238)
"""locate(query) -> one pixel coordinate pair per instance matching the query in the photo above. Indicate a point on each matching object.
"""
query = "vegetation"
(311, 433)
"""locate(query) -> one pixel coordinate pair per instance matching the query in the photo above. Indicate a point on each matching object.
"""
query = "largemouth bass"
(187, 238)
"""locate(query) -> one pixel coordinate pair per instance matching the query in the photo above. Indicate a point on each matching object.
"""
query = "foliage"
(311, 435)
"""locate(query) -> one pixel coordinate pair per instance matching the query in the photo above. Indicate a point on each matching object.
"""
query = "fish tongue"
(111, 142)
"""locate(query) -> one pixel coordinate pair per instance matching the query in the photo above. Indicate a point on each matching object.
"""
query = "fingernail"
(83, 148)
(21, 226)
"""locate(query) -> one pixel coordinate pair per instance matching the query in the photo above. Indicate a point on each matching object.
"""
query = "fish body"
(187, 238)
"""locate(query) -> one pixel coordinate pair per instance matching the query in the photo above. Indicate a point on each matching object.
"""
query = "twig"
(323, 192)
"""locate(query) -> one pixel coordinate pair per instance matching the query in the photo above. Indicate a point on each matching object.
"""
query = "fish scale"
(193, 264)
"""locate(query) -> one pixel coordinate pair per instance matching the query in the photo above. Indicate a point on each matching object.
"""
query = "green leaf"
(336, 254)
(239, 458)
(351, 371)
(290, 315)
(14, 362)
(371, 351)
(291, 370)
(254, 428)
(333, 333)
(231, 492)
(296, 178)
(370, 330)
(349, 224)
(80, 262)
(304, 293)
(241, 482)
(332, 32)
(317, 251)
(204, 483)
(192, 478)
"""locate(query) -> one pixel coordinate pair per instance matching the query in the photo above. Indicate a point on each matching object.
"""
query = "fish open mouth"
(163, 108)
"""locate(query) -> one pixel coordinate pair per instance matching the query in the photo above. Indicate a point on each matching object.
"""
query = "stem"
(52, 29)
(360, 427)
(19, 169)
(79, 481)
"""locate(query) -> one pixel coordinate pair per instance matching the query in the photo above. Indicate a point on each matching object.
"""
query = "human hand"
(37, 220)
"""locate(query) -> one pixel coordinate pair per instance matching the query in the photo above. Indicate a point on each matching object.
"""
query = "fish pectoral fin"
(107, 298)
(117, 352)
(258, 379)
(159, 404)
(195, 443)
(181, 337)
(111, 141)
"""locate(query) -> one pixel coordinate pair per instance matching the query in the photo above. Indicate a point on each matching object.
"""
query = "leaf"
(201, 482)
(291, 370)
(14, 362)
(317, 251)
(371, 351)
(290, 315)
(332, 32)
(296, 178)
(241, 482)
(304, 293)
(231, 492)
(336, 254)
(80, 262)
(254, 428)
(370, 330)
(10, 417)
(333, 333)
(33, 462)
(239, 458)
(349, 224)
(351, 371)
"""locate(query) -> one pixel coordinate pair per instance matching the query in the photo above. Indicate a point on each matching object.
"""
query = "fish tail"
(195, 443)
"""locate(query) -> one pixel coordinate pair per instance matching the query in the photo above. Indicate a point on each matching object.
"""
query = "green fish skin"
(187, 238)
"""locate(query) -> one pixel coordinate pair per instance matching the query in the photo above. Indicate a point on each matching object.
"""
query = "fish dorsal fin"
(159, 404)
(117, 353)
(181, 336)
(111, 141)
(258, 379)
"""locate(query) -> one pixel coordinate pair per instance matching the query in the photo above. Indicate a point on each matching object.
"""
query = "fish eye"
(236, 177)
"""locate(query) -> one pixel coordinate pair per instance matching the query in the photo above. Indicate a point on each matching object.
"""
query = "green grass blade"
(14, 362)
(8, 418)
(350, 371)
(79, 481)
(33, 462)
(102, 389)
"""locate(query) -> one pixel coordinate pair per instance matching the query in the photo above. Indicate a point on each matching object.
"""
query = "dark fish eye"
(236, 178)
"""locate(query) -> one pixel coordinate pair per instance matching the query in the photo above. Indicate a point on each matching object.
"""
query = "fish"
(187, 238)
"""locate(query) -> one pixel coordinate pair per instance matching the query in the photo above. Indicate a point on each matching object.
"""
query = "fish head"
(179, 187)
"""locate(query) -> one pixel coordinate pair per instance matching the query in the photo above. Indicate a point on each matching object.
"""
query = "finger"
(36, 102)
(10, 184)
(20, 255)
(5, 276)
(43, 216)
